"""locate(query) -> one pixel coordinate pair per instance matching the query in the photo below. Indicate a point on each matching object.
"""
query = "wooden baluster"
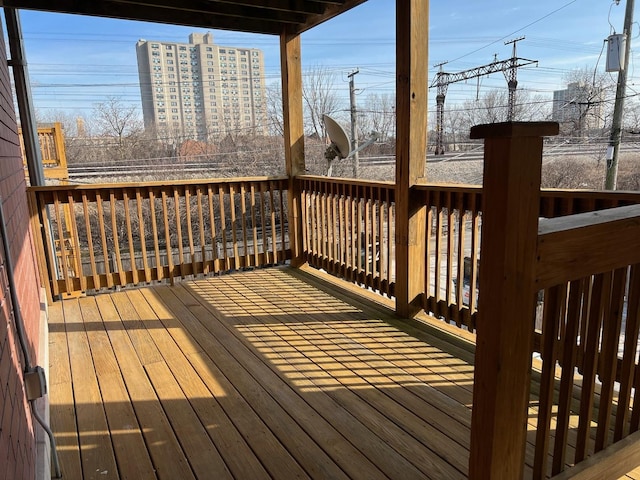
(451, 245)
(203, 246)
(355, 232)
(75, 242)
(103, 238)
(263, 220)
(462, 215)
(375, 209)
(628, 368)
(64, 257)
(324, 226)
(143, 237)
(49, 244)
(609, 356)
(437, 281)
(155, 235)
(122, 274)
(597, 301)
(179, 241)
(569, 355)
(223, 228)
(475, 250)
(428, 251)
(335, 258)
(304, 212)
(192, 250)
(283, 218)
(366, 248)
(132, 250)
(359, 232)
(554, 311)
(342, 230)
(274, 236)
(234, 235)
(167, 234)
(214, 238)
(243, 222)
(92, 256)
(254, 225)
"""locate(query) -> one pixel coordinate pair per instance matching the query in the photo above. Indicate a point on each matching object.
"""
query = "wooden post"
(412, 38)
(506, 306)
(291, 67)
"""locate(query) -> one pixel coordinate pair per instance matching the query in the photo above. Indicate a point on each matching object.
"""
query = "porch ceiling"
(255, 16)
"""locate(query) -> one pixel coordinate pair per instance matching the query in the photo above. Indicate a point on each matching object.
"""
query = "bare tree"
(319, 97)
(115, 119)
(378, 116)
(583, 109)
(275, 122)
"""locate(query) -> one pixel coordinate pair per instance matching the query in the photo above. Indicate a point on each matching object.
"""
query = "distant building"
(199, 90)
(578, 108)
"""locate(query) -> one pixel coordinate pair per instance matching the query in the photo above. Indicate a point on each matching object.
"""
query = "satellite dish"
(340, 144)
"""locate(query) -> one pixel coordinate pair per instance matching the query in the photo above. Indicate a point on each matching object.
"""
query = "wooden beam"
(291, 67)
(506, 306)
(575, 246)
(412, 46)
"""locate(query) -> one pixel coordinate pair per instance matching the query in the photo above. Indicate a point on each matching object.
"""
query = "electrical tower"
(443, 79)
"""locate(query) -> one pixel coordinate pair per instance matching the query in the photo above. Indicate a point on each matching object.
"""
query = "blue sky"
(76, 62)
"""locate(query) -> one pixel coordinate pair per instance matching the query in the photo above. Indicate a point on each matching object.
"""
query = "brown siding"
(17, 444)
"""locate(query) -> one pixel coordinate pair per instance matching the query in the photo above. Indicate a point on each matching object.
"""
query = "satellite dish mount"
(340, 146)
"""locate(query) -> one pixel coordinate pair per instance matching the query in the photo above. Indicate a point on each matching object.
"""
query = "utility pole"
(611, 180)
(443, 79)
(354, 129)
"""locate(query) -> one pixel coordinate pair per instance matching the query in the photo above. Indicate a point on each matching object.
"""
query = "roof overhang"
(273, 17)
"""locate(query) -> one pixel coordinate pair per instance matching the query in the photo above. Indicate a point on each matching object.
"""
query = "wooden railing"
(589, 267)
(52, 150)
(453, 231)
(348, 229)
(114, 235)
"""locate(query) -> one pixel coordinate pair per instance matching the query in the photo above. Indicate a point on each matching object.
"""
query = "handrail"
(574, 246)
(114, 235)
(589, 267)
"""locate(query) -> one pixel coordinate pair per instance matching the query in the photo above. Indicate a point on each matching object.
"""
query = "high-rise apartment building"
(199, 90)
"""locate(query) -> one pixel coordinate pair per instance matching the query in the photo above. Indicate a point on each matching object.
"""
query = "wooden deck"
(263, 374)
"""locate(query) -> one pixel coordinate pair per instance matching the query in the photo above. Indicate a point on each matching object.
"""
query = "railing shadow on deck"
(328, 387)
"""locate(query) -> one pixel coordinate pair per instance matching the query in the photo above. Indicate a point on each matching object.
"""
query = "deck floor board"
(261, 374)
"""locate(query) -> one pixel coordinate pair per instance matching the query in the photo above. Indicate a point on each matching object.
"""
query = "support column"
(291, 67)
(506, 305)
(412, 38)
(24, 98)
